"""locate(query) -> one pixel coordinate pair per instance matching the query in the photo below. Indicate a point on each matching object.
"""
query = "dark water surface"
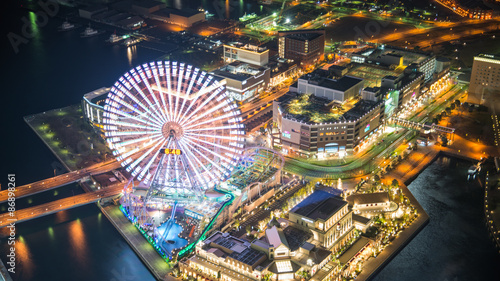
(454, 245)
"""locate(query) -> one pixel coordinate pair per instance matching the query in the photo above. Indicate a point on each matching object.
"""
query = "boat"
(131, 41)
(114, 38)
(89, 31)
(66, 25)
(473, 171)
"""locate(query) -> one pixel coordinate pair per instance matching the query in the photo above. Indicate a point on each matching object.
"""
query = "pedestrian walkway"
(139, 244)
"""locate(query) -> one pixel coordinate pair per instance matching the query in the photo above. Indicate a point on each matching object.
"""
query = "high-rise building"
(485, 77)
(303, 46)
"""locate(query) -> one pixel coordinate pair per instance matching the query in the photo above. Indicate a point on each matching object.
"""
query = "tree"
(248, 228)
(439, 117)
(457, 102)
(237, 224)
(444, 140)
(395, 183)
(452, 106)
(262, 130)
(448, 110)
(376, 178)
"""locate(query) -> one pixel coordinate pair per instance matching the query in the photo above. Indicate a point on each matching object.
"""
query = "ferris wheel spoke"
(132, 78)
(226, 117)
(180, 75)
(201, 92)
(163, 106)
(168, 104)
(132, 81)
(147, 111)
(135, 164)
(223, 157)
(150, 90)
(122, 93)
(188, 91)
(228, 105)
(187, 148)
(200, 178)
(222, 170)
(227, 127)
(214, 94)
(168, 75)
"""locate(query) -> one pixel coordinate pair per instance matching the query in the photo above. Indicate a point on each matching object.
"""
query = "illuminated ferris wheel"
(173, 127)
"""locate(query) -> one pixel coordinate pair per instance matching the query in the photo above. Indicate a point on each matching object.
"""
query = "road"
(57, 181)
(375, 156)
(59, 205)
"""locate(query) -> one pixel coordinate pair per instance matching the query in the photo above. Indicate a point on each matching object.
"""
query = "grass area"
(69, 136)
(314, 110)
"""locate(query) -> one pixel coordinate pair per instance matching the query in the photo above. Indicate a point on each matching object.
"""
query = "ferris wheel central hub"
(172, 128)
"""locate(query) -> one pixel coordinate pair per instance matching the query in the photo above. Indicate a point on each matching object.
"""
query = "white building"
(246, 53)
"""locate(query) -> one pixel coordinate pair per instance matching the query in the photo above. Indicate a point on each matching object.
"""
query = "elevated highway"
(60, 180)
(59, 205)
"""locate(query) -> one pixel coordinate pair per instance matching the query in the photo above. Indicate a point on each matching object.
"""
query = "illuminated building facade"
(306, 47)
(485, 77)
(243, 80)
(311, 128)
(246, 53)
(328, 218)
(93, 106)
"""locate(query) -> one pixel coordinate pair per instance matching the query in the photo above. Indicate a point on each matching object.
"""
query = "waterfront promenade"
(138, 243)
(406, 172)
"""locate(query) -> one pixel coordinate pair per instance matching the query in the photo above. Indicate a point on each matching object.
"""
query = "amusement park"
(179, 136)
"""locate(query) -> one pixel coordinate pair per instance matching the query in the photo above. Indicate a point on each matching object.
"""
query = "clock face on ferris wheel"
(170, 108)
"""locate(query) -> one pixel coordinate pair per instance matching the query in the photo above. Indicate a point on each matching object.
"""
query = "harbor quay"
(405, 172)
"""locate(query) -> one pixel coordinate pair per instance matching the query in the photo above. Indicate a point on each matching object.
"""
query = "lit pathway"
(139, 244)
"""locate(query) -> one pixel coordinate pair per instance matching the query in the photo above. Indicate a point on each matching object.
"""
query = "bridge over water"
(60, 180)
(59, 205)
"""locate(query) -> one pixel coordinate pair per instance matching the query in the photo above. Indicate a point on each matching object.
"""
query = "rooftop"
(248, 47)
(368, 198)
(360, 109)
(312, 109)
(239, 71)
(304, 36)
(185, 12)
(97, 96)
(488, 56)
(318, 207)
(233, 247)
(342, 84)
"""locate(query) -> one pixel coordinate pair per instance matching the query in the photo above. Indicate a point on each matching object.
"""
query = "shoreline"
(374, 265)
(143, 253)
(137, 251)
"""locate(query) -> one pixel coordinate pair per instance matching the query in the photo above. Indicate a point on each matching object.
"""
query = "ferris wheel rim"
(154, 102)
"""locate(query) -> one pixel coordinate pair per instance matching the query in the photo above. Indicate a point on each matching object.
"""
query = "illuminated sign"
(171, 151)
(367, 128)
(286, 134)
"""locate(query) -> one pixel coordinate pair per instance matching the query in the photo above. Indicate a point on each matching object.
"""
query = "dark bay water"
(78, 244)
(454, 246)
(55, 69)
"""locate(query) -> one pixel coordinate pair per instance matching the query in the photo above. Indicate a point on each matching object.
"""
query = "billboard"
(391, 102)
